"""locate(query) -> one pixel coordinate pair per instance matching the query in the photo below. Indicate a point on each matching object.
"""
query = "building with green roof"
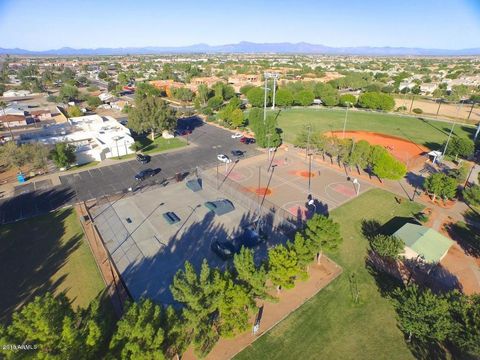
(424, 242)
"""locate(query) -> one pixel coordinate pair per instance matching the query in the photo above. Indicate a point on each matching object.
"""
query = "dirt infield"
(404, 150)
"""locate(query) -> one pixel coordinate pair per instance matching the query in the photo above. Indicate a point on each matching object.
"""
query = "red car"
(247, 140)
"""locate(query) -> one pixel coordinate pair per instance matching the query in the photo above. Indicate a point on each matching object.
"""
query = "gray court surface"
(148, 251)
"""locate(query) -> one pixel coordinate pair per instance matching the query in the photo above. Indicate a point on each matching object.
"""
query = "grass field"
(158, 145)
(46, 253)
(430, 133)
(331, 325)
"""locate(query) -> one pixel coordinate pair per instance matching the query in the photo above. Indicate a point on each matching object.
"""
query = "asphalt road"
(207, 142)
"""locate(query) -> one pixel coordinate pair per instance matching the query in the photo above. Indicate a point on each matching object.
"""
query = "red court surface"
(407, 151)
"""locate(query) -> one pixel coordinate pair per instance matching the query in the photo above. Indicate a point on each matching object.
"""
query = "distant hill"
(245, 47)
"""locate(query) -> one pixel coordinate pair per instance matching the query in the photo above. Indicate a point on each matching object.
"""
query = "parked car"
(142, 175)
(250, 238)
(144, 159)
(247, 140)
(237, 135)
(224, 158)
(237, 153)
(223, 249)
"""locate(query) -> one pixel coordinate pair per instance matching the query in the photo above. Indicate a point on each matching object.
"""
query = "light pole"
(309, 172)
(451, 130)
(345, 122)
(356, 183)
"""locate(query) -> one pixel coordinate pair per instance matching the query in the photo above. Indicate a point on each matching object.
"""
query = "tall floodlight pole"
(345, 122)
(451, 130)
(476, 133)
(265, 101)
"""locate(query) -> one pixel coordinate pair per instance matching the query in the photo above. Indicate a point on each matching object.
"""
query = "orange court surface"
(407, 151)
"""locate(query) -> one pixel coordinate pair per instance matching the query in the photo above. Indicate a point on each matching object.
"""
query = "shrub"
(417, 111)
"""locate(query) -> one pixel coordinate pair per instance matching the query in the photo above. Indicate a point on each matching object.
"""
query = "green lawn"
(158, 145)
(46, 253)
(161, 144)
(426, 132)
(330, 325)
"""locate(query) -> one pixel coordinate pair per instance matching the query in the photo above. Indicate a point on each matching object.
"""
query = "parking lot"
(148, 251)
(206, 141)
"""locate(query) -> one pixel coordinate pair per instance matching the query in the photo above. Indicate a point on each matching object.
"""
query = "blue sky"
(50, 24)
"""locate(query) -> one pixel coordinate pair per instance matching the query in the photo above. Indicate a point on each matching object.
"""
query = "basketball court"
(289, 182)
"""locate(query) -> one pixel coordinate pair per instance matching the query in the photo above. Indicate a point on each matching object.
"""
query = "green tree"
(51, 324)
(304, 98)
(347, 99)
(74, 111)
(151, 113)
(68, 93)
(327, 93)
(253, 277)
(387, 246)
(236, 118)
(266, 133)
(303, 250)
(282, 266)
(422, 314)
(244, 89)
(36, 155)
(139, 334)
(200, 295)
(215, 103)
(284, 97)
(42, 322)
(256, 97)
(322, 234)
(376, 101)
(176, 338)
(203, 93)
(102, 75)
(11, 155)
(63, 155)
(360, 153)
(462, 147)
(465, 312)
(387, 167)
(471, 195)
(439, 184)
(94, 101)
(234, 307)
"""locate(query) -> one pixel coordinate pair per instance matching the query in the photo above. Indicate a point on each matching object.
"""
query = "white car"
(237, 135)
(224, 158)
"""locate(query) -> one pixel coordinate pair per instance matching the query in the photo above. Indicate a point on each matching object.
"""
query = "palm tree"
(3, 106)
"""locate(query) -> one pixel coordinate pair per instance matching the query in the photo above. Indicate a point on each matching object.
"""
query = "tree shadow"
(395, 223)
(386, 281)
(370, 228)
(34, 203)
(427, 350)
(32, 252)
(415, 180)
(467, 236)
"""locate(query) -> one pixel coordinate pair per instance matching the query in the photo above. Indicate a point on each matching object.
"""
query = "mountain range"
(245, 47)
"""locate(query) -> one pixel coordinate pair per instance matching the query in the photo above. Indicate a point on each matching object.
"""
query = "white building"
(96, 137)
(428, 88)
(16, 93)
